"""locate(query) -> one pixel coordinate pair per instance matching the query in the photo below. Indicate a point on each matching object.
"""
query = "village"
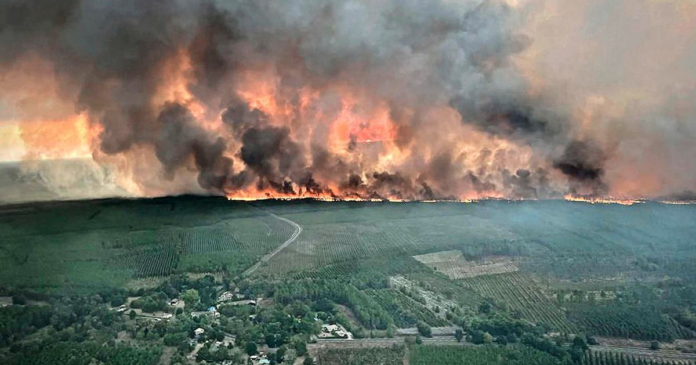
(210, 319)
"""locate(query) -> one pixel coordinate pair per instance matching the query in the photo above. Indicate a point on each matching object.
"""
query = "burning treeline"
(377, 99)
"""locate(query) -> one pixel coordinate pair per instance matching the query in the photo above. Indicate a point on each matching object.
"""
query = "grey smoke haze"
(483, 98)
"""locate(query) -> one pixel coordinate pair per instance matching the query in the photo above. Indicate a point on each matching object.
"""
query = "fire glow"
(602, 200)
(434, 101)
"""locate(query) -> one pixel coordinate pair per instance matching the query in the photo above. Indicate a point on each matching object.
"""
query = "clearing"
(455, 266)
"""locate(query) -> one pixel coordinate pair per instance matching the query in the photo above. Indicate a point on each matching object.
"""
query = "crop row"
(489, 355)
(629, 321)
(616, 358)
(520, 293)
(405, 311)
(160, 260)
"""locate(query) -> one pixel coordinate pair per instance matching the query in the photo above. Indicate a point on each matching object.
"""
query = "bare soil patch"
(455, 266)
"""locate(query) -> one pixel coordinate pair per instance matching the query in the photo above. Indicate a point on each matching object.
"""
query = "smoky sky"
(407, 99)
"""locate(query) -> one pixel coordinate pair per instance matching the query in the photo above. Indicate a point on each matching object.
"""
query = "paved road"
(298, 230)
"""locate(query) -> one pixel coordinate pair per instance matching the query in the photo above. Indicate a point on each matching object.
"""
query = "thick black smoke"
(181, 138)
(134, 68)
(582, 163)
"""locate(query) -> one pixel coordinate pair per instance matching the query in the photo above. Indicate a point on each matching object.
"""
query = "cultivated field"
(108, 243)
(455, 266)
(521, 294)
(523, 282)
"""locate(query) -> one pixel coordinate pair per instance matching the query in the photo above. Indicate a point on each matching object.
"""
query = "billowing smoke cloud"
(413, 99)
(181, 138)
(583, 164)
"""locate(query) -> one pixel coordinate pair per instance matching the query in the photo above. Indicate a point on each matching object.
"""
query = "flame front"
(433, 101)
(602, 200)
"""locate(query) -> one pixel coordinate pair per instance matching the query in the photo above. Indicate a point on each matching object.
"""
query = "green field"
(426, 355)
(520, 279)
(372, 356)
(610, 358)
(523, 295)
(82, 245)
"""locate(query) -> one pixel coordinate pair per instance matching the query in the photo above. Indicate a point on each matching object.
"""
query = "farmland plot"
(405, 310)
(106, 243)
(455, 266)
(158, 260)
(522, 294)
(489, 355)
(429, 299)
(377, 355)
(635, 357)
(452, 290)
(232, 245)
(642, 322)
(378, 267)
(330, 243)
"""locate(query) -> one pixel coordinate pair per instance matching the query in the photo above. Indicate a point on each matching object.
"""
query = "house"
(208, 312)
(174, 302)
(198, 331)
(225, 297)
(245, 302)
(334, 330)
(229, 340)
(328, 328)
(264, 361)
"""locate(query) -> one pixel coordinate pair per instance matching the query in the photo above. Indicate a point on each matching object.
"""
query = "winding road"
(298, 230)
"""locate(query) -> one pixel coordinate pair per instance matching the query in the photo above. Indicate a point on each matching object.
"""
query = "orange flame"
(58, 139)
(602, 200)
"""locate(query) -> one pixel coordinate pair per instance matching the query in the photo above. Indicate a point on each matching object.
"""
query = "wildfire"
(329, 197)
(254, 195)
(318, 197)
(55, 139)
(678, 202)
(251, 195)
(602, 200)
(362, 126)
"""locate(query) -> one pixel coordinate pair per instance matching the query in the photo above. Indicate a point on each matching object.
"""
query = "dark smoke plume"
(414, 99)
(582, 163)
(181, 138)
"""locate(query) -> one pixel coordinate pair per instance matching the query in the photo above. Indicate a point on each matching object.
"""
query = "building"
(225, 297)
(334, 330)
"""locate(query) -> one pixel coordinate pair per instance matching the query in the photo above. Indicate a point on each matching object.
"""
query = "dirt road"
(298, 230)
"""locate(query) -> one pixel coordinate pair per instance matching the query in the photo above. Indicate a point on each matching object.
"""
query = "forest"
(207, 280)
